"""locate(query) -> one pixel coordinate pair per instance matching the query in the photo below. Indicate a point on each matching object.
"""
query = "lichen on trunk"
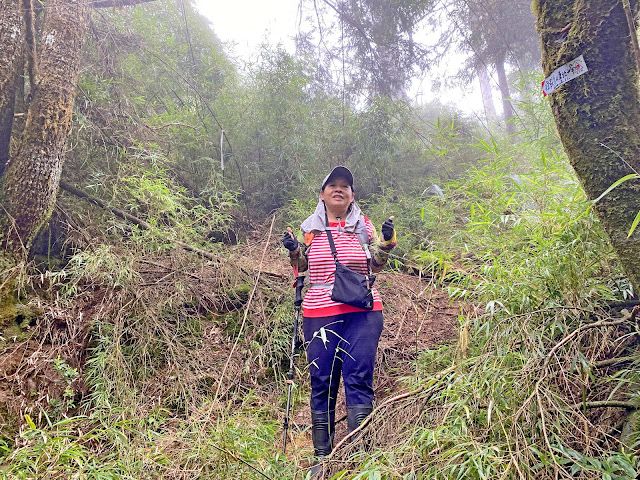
(30, 182)
(598, 114)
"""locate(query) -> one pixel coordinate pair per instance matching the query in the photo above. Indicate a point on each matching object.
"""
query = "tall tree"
(31, 160)
(498, 33)
(598, 114)
(11, 37)
(378, 38)
(487, 93)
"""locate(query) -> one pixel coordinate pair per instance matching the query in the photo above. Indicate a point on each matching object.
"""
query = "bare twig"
(544, 433)
(171, 124)
(116, 3)
(246, 313)
(572, 335)
(235, 457)
(389, 401)
(606, 404)
(135, 220)
(552, 352)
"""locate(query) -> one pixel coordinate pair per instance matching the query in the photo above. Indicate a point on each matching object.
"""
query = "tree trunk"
(507, 108)
(490, 113)
(30, 182)
(11, 39)
(598, 113)
(390, 80)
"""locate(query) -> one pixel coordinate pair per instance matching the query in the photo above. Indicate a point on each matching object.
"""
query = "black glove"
(387, 230)
(290, 241)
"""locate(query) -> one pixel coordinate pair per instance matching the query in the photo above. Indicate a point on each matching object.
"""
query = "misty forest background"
(146, 315)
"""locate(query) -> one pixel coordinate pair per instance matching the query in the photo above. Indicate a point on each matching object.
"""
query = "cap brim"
(339, 172)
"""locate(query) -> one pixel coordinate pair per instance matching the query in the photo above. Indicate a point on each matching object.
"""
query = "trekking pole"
(294, 341)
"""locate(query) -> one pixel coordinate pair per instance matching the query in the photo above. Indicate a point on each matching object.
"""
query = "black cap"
(339, 171)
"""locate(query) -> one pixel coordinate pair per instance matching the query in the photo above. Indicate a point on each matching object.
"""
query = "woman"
(340, 338)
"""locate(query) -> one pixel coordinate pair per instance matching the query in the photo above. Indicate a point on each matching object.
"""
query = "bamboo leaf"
(615, 184)
(323, 336)
(634, 224)
(29, 421)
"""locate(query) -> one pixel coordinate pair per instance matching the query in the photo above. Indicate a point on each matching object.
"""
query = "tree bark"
(598, 114)
(507, 108)
(30, 182)
(30, 172)
(11, 39)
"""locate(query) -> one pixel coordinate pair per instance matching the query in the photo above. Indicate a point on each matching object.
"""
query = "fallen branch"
(627, 303)
(615, 361)
(102, 204)
(564, 341)
(606, 404)
(130, 218)
(389, 401)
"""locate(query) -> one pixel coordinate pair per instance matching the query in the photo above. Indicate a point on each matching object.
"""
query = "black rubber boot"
(322, 431)
(356, 415)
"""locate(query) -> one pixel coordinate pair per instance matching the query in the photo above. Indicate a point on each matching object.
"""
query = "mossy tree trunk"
(12, 34)
(31, 165)
(598, 114)
(11, 39)
(30, 181)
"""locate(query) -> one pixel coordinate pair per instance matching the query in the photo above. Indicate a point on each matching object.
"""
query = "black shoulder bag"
(351, 287)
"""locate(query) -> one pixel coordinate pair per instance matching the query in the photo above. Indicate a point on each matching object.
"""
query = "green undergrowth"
(516, 396)
(170, 366)
(236, 443)
(184, 364)
(515, 241)
(185, 377)
(166, 395)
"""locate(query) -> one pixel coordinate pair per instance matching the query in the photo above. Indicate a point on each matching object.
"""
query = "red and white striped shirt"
(317, 302)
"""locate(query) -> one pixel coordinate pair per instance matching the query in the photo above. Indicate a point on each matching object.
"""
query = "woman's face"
(337, 195)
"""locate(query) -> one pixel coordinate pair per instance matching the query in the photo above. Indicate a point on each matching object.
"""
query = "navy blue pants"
(342, 344)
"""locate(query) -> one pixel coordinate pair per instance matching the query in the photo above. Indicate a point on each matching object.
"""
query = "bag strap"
(333, 245)
(330, 237)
